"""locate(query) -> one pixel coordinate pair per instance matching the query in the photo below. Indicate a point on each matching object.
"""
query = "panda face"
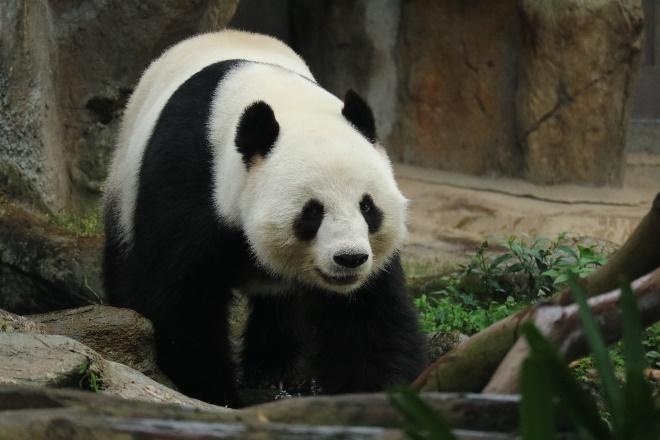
(323, 210)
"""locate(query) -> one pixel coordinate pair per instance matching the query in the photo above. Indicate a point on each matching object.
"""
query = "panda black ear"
(257, 131)
(358, 113)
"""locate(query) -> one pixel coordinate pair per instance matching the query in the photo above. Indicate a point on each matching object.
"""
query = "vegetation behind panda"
(236, 170)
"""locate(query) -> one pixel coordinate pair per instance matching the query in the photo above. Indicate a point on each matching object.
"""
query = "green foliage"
(549, 387)
(89, 379)
(651, 343)
(494, 283)
(89, 225)
(462, 313)
(631, 411)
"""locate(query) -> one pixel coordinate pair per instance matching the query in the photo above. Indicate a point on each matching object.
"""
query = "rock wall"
(356, 49)
(539, 90)
(66, 69)
(576, 77)
(458, 66)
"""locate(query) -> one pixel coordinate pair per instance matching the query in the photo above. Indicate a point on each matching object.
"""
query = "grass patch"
(86, 225)
(90, 380)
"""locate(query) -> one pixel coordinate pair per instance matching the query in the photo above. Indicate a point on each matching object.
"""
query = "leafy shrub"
(549, 387)
(493, 285)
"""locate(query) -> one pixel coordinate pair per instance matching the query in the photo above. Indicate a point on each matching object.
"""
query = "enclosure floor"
(450, 214)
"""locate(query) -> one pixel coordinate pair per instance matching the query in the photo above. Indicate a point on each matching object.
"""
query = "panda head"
(320, 206)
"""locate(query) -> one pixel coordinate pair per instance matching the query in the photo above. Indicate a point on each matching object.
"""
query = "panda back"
(159, 83)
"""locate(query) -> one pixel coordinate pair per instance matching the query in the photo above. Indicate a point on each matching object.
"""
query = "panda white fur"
(236, 170)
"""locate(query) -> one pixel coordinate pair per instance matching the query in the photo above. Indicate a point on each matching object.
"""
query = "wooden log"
(563, 326)
(43, 413)
(470, 366)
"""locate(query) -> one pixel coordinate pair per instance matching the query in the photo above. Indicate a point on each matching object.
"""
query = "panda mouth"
(339, 280)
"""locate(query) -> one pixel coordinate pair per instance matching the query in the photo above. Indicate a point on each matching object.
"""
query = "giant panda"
(236, 172)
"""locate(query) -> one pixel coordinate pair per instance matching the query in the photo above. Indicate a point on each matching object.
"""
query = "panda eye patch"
(309, 220)
(366, 204)
(312, 210)
(372, 215)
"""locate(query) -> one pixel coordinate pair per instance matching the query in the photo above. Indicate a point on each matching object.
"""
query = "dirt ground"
(450, 214)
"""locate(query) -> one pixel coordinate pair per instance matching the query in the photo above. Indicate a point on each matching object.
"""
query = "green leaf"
(574, 401)
(611, 391)
(536, 410)
(568, 250)
(501, 259)
(515, 268)
(421, 421)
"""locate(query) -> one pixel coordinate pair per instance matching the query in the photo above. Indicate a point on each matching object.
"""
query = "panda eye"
(372, 215)
(366, 204)
(312, 210)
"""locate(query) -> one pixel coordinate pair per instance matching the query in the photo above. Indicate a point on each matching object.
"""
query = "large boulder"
(66, 69)
(44, 267)
(119, 335)
(61, 362)
(577, 71)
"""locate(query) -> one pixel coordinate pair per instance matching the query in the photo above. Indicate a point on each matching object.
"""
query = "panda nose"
(350, 260)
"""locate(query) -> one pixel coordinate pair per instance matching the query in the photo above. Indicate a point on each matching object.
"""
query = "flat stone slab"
(44, 360)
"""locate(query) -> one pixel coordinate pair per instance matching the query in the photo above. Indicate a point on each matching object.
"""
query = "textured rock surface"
(457, 64)
(61, 362)
(66, 69)
(119, 335)
(577, 71)
(439, 343)
(10, 323)
(45, 360)
(43, 267)
(357, 49)
(531, 89)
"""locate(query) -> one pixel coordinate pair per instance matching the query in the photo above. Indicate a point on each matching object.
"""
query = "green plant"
(462, 313)
(89, 225)
(493, 285)
(89, 379)
(548, 386)
(630, 408)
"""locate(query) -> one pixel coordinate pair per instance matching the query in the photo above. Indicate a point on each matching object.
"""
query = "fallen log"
(562, 325)
(462, 411)
(43, 413)
(470, 366)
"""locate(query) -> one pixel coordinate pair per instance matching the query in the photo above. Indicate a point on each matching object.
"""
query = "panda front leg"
(368, 340)
(270, 343)
(193, 349)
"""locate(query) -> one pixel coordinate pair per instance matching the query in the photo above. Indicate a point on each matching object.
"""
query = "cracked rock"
(578, 64)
